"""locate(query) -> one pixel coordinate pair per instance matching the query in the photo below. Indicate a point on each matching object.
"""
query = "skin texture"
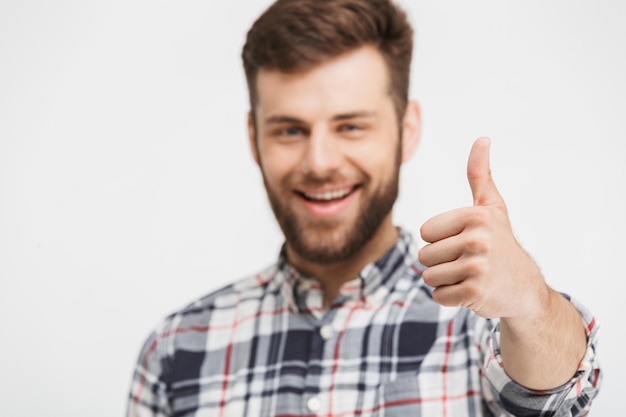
(332, 129)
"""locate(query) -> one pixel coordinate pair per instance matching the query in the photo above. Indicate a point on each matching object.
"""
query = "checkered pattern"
(265, 346)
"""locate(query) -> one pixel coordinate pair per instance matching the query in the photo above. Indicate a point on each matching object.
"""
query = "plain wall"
(127, 188)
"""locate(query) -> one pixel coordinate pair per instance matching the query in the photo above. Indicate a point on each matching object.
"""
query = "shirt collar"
(371, 286)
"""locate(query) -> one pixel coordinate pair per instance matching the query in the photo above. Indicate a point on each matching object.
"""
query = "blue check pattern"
(265, 346)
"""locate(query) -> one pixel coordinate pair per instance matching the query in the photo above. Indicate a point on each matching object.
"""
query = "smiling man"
(328, 143)
(352, 319)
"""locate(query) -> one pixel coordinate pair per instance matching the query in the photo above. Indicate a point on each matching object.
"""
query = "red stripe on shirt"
(142, 381)
(333, 374)
(229, 353)
(444, 368)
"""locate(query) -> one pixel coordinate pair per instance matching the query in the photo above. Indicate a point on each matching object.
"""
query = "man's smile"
(328, 195)
(327, 203)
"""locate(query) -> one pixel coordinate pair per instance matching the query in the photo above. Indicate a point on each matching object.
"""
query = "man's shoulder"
(253, 286)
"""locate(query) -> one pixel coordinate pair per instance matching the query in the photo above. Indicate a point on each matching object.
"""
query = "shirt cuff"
(579, 391)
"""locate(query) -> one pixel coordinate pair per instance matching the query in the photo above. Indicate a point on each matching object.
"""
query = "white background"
(127, 189)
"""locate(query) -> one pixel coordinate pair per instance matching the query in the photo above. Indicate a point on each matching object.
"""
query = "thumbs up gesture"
(473, 259)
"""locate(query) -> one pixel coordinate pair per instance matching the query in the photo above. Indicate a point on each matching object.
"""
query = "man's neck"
(333, 276)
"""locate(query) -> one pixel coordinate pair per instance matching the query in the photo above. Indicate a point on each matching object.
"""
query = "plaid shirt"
(266, 346)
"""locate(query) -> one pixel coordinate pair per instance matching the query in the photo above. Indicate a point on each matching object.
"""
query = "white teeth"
(328, 195)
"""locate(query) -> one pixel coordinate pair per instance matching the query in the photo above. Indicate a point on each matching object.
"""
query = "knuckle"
(475, 268)
(472, 293)
(439, 297)
(447, 297)
(478, 244)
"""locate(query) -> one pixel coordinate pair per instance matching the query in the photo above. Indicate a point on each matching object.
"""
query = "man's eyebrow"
(279, 119)
(355, 115)
(283, 119)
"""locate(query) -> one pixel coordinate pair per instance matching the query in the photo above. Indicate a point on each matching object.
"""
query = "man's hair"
(295, 35)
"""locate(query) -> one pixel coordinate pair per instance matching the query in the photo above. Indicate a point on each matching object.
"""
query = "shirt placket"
(309, 299)
(320, 394)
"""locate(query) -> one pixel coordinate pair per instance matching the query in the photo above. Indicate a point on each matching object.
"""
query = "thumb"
(483, 188)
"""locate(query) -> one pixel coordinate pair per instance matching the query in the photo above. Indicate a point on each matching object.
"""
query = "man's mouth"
(327, 196)
(327, 202)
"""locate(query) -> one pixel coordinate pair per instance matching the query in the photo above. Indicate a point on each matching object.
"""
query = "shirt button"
(326, 331)
(314, 404)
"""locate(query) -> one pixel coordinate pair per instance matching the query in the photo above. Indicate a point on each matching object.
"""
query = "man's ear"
(411, 129)
(252, 138)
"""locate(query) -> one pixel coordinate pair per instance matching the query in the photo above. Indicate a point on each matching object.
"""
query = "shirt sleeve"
(572, 399)
(148, 392)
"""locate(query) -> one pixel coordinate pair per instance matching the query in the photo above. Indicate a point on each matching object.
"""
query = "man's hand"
(474, 261)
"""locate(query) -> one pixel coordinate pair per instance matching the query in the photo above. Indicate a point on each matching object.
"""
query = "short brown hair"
(295, 35)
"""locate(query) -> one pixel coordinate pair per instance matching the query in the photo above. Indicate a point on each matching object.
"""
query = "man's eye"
(291, 131)
(288, 134)
(351, 128)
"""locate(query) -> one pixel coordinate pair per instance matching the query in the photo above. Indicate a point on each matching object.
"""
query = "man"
(352, 319)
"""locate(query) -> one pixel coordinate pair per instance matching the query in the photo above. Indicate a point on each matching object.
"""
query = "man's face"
(328, 144)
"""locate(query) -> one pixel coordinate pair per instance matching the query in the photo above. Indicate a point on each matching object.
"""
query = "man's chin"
(321, 256)
(323, 245)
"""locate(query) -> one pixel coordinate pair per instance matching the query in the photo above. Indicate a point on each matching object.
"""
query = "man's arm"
(543, 353)
(473, 260)
(148, 396)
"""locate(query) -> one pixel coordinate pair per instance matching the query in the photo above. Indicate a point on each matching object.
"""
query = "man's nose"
(323, 153)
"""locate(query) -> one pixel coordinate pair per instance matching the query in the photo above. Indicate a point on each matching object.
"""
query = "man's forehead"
(355, 82)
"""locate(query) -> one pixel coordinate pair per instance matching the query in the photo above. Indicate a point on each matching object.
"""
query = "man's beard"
(325, 241)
